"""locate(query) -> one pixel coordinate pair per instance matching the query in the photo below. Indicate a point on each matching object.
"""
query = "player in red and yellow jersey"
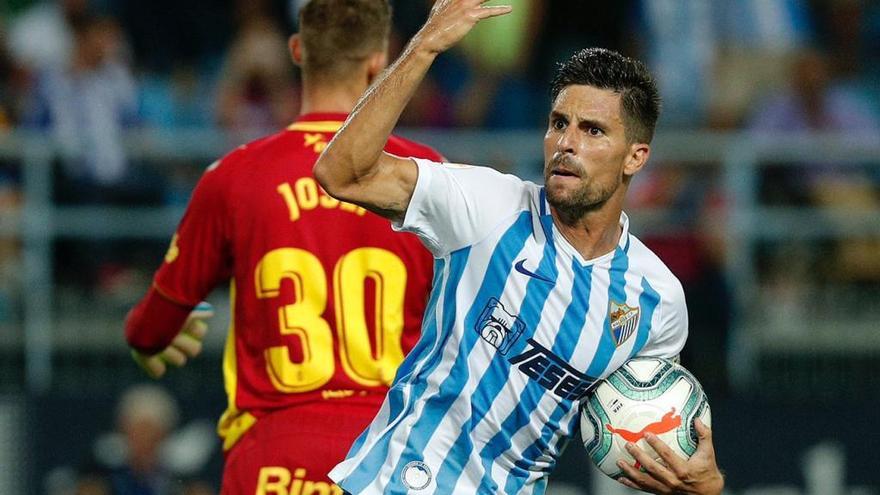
(326, 300)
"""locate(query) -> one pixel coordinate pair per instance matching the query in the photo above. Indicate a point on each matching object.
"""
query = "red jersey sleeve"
(199, 256)
(197, 260)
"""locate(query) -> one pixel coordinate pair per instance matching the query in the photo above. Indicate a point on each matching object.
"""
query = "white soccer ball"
(645, 394)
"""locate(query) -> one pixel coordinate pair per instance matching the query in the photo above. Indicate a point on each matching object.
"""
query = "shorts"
(290, 451)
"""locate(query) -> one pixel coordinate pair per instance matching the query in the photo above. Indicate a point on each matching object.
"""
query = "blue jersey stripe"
(648, 302)
(564, 345)
(429, 326)
(606, 348)
(498, 373)
(429, 330)
(437, 406)
(359, 479)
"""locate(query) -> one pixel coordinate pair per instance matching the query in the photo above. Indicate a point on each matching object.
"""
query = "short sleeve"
(671, 332)
(454, 206)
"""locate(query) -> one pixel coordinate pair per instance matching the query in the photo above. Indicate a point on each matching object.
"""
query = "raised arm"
(354, 168)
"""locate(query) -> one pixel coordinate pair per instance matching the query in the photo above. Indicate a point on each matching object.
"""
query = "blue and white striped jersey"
(517, 328)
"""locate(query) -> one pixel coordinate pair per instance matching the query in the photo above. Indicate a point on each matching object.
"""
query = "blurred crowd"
(223, 63)
(87, 71)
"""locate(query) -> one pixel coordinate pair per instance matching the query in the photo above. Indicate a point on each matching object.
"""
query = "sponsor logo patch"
(498, 327)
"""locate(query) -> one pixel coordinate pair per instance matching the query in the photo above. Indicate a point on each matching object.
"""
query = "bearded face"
(571, 190)
(586, 151)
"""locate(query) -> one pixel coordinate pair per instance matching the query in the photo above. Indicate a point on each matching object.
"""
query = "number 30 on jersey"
(304, 318)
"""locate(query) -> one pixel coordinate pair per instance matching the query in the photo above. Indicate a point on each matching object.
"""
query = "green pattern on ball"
(600, 445)
(631, 388)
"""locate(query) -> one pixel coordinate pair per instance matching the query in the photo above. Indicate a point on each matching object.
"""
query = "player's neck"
(594, 233)
(339, 97)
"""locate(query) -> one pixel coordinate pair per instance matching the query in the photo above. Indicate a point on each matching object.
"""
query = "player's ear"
(636, 159)
(294, 44)
(376, 63)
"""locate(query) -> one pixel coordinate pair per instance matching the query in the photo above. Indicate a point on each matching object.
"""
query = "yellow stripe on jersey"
(234, 423)
(317, 126)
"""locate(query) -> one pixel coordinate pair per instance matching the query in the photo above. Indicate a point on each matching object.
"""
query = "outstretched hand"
(698, 475)
(451, 20)
(187, 344)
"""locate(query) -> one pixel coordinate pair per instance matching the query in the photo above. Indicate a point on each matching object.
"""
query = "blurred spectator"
(851, 33)
(146, 415)
(143, 457)
(13, 82)
(256, 89)
(814, 102)
(498, 55)
(42, 36)
(85, 104)
(711, 59)
(179, 99)
(7, 101)
(757, 41)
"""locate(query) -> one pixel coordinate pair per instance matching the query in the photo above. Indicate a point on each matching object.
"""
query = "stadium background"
(762, 195)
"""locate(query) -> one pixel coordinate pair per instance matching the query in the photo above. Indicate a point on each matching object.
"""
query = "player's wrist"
(423, 46)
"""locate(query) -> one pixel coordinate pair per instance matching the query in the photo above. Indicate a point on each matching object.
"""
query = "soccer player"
(539, 291)
(326, 299)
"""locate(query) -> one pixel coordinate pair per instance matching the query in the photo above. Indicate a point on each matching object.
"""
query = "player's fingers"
(635, 478)
(173, 356)
(704, 434)
(656, 470)
(672, 460)
(153, 366)
(187, 344)
(486, 12)
(203, 310)
(195, 328)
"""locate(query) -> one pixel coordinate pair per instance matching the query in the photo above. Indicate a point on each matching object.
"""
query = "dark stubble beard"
(572, 205)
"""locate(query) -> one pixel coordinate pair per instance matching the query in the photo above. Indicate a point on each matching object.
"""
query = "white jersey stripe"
(436, 408)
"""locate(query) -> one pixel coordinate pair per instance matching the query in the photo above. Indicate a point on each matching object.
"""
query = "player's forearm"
(154, 322)
(354, 152)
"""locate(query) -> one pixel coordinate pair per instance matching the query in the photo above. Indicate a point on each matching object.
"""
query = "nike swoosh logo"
(520, 268)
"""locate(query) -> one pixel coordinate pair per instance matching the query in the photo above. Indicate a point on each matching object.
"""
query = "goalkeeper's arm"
(161, 332)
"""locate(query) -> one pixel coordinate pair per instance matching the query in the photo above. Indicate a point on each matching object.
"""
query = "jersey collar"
(318, 122)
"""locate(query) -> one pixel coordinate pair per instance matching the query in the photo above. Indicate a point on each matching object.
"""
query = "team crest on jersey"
(498, 327)
(624, 321)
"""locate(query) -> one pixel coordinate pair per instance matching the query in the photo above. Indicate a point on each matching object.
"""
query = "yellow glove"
(187, 344)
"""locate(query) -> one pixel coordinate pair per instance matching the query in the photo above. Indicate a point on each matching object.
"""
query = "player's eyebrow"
(588, 123)
(582, 123)
(555, 115)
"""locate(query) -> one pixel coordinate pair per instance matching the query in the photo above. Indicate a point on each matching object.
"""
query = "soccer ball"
(646, 394)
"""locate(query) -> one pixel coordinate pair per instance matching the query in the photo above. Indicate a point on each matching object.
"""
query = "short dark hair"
(338, 33)
(607, 69)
